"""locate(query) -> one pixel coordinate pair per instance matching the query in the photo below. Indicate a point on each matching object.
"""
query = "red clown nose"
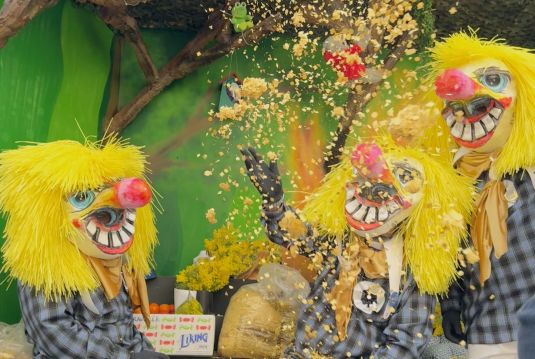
(455, 85)
(132, 193)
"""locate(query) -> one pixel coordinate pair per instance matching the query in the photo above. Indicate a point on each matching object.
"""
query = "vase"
(202, 296)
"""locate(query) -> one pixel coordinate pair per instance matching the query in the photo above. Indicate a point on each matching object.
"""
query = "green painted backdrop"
(53, 85)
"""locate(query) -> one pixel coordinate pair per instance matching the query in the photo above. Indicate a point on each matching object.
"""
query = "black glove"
(147, 354)
(266, 178)
(451, 324)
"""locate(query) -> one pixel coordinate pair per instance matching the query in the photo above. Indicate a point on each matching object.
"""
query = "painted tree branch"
(197, 122)
(358, 99)
(114, 14)
(15, 14)
(194, 55)
(115, 77)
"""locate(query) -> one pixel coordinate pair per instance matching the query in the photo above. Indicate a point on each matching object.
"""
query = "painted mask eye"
(82, 200)
(496, 82)
(405, 174)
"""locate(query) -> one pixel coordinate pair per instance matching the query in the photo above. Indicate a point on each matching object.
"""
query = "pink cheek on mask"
(76, 223)
(505, 102)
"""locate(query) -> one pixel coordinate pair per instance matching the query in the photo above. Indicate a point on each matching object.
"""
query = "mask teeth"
(116, 238)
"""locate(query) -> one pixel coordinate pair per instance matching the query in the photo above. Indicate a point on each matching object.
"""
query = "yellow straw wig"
(434, 231)
(462, 48)
(35, 181)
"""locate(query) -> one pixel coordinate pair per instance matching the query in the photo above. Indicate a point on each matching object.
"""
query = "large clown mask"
(105, 217)
(479, 101)
(383, 191)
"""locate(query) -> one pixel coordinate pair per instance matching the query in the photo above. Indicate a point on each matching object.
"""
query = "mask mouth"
(371, 210)
(472, 123)
(111, 229)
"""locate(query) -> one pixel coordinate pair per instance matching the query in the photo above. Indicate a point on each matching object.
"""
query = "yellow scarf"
(489, 228)
(356, 257)
(110, 273)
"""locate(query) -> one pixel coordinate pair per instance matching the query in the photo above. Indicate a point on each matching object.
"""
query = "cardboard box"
(182, 335)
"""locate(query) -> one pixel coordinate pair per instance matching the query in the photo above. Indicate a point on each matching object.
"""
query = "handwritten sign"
(179, 334)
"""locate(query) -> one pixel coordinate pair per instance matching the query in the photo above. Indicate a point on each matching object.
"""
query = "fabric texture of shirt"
(67, 329)
(402, 336)
(489, 312)
(526, 333)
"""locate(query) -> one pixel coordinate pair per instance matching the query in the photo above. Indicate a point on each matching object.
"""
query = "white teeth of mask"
(450, 119)
(496, 112)
(129, 227)
(371, 216)
(488, 122)
(131, 216)
(383, 213)
(91, 228)
(467, 133)
(103, 238)
(124, 235)
(479, 131)
(457, 130)
(350, 193)
(115, 240)
(359, 215)
(352, 206)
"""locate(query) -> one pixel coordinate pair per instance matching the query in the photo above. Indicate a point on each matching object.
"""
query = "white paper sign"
(175, 334)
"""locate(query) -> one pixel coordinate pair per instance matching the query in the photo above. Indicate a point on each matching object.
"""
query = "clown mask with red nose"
(383, 191)
(479, 100)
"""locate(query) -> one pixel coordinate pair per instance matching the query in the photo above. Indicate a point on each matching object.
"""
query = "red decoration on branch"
(347, 61)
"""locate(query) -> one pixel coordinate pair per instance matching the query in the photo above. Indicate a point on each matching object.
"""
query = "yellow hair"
(431, 242)
(461, 48)
(35, 181)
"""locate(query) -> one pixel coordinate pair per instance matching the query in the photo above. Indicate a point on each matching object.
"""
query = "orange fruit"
(164, 308)
(154, 308)
(171, 309)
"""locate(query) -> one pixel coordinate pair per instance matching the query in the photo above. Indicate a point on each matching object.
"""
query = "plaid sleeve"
(454, 299)
(53, 327)
(409, 328)
(307, 245)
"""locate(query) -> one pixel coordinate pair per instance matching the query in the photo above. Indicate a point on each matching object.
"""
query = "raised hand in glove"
(265, 176)
(451, 324)
(147, 354)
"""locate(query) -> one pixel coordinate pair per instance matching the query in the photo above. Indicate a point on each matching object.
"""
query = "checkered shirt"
(67, 329)
(489, 312)
(402, 336)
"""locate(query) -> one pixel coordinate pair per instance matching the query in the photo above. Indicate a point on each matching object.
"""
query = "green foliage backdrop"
(53, 85)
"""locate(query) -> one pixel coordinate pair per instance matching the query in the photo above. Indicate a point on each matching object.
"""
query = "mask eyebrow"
(490, 70)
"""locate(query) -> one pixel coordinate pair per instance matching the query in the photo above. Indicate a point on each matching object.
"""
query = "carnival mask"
(105, 217)
(383, 191)
(479, 103)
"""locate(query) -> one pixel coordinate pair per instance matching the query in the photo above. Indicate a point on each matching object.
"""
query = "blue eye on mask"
(82, 200)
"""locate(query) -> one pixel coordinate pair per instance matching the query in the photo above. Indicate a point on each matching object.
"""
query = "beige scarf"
(110, 273)
(489, 228)
(356, 257)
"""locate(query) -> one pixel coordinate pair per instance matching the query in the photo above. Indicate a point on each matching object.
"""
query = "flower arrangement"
(229, 256)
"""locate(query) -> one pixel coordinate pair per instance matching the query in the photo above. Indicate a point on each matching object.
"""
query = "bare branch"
(358, 99)
(14, 15)
(115, 78)
(196, 123)
(190, 58)
(114, 14)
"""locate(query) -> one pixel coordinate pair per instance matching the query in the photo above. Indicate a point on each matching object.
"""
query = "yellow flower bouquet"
(229, 256)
